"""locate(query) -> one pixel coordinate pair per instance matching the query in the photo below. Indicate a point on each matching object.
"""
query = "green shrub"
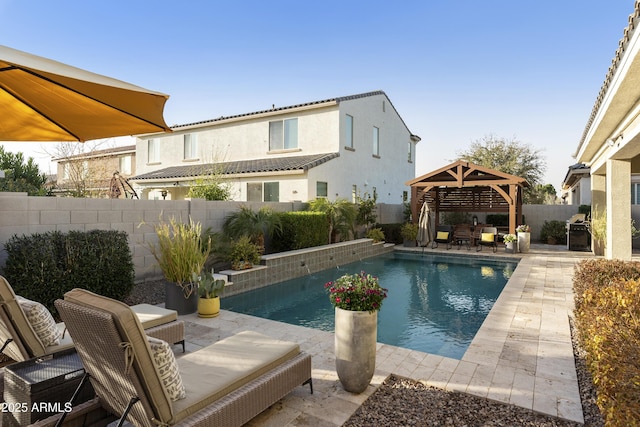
(392, 232)
(584, 209)
(376, 234)
(607, 313)
(498, 220)
(301, 229)
(42, 267)
(554, 229)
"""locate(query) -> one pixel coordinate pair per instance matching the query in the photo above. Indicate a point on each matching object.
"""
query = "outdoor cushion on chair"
(21, 341)
(444, 234)
(488, 237)
(226, 383)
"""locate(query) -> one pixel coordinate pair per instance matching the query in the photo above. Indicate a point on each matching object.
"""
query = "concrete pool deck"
(521, 355)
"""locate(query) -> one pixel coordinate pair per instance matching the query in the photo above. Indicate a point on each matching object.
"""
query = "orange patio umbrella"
(45, 100)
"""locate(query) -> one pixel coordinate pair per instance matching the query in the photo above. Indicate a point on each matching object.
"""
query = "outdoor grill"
(578, 236)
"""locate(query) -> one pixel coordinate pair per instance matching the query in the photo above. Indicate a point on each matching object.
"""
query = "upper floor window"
(376, 141)
(409, 152)
(153, 151)
(125, 165)
(348, 127)
(190, 146)
(283, 134)
(354, 193)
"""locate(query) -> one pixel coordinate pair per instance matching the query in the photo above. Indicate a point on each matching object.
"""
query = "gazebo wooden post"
(514, 207)
(414, 204)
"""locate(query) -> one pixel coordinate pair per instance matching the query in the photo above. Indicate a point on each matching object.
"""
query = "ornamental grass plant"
(180, 252)
(356, 292)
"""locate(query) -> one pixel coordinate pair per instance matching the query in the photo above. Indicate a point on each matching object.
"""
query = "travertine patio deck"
(522, 354)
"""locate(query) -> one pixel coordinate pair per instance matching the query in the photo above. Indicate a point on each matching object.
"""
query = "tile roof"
(615, 62)
(270, 164)
(290, 107)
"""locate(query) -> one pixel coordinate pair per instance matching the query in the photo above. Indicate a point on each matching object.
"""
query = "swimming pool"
(436, 303)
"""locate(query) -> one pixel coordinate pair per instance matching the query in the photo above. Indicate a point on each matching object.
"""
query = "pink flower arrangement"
(356, 292)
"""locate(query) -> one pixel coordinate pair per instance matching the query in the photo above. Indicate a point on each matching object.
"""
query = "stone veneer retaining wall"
(282, 266)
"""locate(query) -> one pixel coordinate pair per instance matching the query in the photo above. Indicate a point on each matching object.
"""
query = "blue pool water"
(435, 303)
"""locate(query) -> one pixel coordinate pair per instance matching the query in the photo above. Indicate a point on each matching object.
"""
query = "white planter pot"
(524, 241)
(509, 247)
(355, 348)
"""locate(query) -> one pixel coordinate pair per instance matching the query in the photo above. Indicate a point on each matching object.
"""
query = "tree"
(509, 156)
(21, 176)
(543, 195)
(210, 189)
(341, 213)
(83, 173)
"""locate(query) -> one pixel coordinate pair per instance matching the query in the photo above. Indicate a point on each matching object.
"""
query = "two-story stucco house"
(335, 148)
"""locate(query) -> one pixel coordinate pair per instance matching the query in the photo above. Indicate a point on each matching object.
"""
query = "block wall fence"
(24, 215)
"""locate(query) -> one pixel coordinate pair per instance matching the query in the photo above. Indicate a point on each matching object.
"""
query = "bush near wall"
(42, 267)
(392, 232)
(301, 229)
(607, 312)
(556, 230)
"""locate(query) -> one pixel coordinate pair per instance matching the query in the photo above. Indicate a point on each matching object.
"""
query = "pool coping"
(521, 355)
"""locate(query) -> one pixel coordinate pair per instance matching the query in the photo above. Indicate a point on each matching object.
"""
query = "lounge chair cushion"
(167, 368)
(41, 321)
(131, 330)
(16, 315)
(442, 235)
(229, 364)
(487, 237)
(151, 315)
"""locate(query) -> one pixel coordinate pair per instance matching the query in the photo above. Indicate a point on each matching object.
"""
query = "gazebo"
(467, 187)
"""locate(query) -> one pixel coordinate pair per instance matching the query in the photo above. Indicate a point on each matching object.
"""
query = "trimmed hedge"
(301, 229)
(42, 267)
(607, 311)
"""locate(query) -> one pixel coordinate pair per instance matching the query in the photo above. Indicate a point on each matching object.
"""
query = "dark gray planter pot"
(175, 299)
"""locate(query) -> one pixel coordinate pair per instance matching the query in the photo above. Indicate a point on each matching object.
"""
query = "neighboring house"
(610, 145)
(97, 173)
(336, 148)
(576, 186)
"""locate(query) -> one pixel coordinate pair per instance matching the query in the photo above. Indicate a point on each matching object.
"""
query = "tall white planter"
(355, 348)
(524, 241)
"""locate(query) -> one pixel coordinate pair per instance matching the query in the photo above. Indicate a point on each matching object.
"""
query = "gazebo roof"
(466, 187)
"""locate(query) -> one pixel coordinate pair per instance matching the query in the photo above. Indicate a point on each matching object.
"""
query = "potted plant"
(357, 299)
(409, 232)
(509, 241)
(524, 237)
(180, 251)
(244, 253)
(209, 290)
(376, 234)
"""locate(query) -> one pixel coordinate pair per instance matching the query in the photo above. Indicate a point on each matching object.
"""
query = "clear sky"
(456, 70)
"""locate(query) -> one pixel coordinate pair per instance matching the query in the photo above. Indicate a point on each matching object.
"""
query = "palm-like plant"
(342, 215)
(255, 224)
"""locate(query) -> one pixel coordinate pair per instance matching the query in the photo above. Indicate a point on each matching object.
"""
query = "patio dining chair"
(444, 235)
(462, 235)
(488, 237)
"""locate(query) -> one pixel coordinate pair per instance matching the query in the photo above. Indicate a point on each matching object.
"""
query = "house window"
(283, 134)
(635, 193)
(256, 190)
(190, 146)
(271, 191)
(405, 196)
(322, 189)
(84, 172)
(376, 141)
(125, 165)
(354, 193)
(153, 151)
(348, 126)
(66, 171)
(410, 152)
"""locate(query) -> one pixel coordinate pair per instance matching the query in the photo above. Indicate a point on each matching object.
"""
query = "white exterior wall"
(580, 192)
(321, 130)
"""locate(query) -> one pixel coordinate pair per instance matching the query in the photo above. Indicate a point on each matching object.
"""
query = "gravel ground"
(403, 402)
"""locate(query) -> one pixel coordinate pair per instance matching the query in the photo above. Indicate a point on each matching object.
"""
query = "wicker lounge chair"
(19, 341)
(462, 235)
(488, 237)
(444, 235)
(226, 383)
